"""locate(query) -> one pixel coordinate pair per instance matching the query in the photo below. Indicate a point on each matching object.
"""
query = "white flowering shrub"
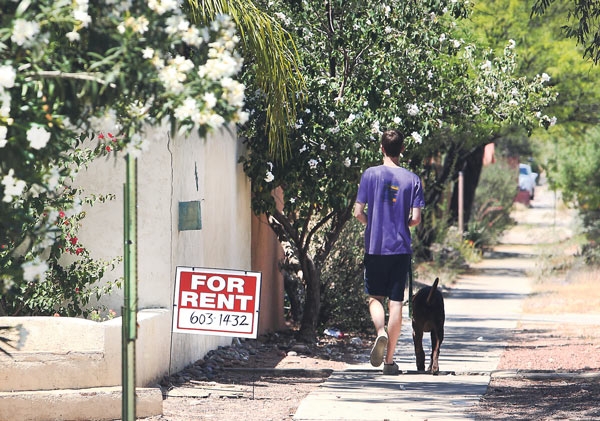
(371, 66)
(69, 69)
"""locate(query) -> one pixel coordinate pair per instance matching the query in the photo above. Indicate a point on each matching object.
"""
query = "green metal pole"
(129, 331)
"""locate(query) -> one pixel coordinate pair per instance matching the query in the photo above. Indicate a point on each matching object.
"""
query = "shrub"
(343, 300)
(494, 199)
(59, 275)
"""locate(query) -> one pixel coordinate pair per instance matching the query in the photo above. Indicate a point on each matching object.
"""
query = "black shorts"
(385, 276)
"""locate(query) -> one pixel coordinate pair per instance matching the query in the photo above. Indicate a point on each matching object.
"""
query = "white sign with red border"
(216, 302)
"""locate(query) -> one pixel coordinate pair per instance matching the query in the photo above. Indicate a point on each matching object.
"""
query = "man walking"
(393, 197)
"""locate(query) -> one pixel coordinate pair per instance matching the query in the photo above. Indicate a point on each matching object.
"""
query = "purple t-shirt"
(389, 193)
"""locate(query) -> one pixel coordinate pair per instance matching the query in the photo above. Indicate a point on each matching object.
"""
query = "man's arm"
(415, 218)
(359, 212)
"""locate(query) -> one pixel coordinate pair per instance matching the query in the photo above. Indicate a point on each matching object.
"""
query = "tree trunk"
(312, 301)
(311, 269)
(291, 285)
(472, 165)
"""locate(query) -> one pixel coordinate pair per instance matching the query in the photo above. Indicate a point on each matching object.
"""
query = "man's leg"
(381, 342)
(377, 312)
(394, 329)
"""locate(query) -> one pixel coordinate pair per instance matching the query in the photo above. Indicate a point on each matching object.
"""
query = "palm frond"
(276, 60)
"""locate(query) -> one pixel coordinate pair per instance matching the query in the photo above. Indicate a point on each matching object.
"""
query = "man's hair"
(392, 142)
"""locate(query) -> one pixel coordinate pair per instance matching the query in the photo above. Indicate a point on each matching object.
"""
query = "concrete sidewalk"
(482, 310)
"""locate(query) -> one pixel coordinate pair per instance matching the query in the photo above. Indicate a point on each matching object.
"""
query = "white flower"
(312, 163)
(192, 37)
(347, 162)
(487, 65)
(283, 18)
(3, 140)
(38, 137)
(350, 118)
(292, 200)
(303, 148)
(511, 44)
(215, 121)
(442, 37)
(5, 106)
(397, 120)
(323, 146)
(388, 29)
(162, 6)
(270, 177)
(187, 109)
(82, 16)
(545, 77)
(176, 23)
(73, 36)
(172, 78)
(137, 144)
(105, 122)
(7, 77)
(148, 53)
(412, 109)
(387, 92)
(12, 186)
(456, 43)
(34, 269)
(210, 100)
(220, 66)
(417, 137)
(241, 117)
(234, 92)
(375, 127)
(24, 32)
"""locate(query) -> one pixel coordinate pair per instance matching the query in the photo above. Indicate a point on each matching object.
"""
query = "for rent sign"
(216, 302)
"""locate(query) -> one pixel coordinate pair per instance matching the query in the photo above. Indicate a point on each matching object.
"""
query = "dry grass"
(574, 291)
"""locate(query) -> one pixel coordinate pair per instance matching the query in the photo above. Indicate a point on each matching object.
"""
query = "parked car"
(527, 179)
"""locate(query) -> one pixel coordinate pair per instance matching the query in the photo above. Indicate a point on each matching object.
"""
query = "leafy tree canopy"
(370, 66)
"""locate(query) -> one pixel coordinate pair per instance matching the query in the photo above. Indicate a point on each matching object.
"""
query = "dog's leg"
(436, 343)
(418, 342)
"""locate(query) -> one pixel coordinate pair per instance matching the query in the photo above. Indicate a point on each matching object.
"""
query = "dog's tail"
(432, 291)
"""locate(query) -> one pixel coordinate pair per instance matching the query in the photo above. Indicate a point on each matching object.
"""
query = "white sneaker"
(378, 350)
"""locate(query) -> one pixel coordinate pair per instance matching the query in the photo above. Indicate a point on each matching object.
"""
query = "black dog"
(428, 316)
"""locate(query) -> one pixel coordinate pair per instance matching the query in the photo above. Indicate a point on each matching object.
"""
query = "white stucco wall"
(172, 171)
